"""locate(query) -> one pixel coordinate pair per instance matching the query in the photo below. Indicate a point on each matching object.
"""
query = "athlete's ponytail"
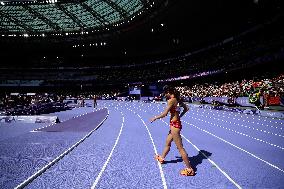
(172, 90)
(177, 95)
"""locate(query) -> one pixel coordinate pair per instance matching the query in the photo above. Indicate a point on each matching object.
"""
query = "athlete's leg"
(178, 141)
(167, 146)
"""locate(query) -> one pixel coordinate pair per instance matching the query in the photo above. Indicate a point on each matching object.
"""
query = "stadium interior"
(63, 55)
(94, 43)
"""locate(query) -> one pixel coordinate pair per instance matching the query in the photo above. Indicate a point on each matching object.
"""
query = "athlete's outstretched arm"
(165, 112)
(185, 108)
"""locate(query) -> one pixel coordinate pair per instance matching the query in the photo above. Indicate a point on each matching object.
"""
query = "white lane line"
(243, 119)
(240, 125)
(239, 120)
(108, 159)
(42, 170)
(244, 115)
(240, 133)
(270, 164)
(212, 162)
(155, 150)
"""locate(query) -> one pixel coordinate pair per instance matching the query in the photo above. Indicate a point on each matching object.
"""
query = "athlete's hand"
(152, 119)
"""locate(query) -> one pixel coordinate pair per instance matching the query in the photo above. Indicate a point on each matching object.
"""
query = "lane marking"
(42, 170)
(155, 150)
(212, 162)
(243, 120)
(240, 133)
(108, 159)
(241, 125)
(270, 164)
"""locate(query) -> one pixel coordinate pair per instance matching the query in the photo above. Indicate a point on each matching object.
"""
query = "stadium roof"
(55, 16)
(122, 31)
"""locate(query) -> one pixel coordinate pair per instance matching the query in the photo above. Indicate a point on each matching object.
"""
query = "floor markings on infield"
(109, 157)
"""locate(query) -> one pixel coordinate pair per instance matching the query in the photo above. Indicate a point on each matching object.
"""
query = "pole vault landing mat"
(84, 123)
(26, 156)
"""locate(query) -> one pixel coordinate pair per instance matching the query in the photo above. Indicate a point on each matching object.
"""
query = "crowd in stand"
(23, 104)
(244, 88)
(268, 88)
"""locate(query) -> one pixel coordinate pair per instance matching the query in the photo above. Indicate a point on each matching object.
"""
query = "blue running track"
(114, 145)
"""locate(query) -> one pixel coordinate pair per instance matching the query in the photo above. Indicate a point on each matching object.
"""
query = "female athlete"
(173, 106)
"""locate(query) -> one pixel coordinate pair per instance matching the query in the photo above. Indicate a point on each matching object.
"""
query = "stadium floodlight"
(2, 3)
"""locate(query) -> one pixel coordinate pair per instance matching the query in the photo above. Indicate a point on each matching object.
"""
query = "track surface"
(227, 150)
